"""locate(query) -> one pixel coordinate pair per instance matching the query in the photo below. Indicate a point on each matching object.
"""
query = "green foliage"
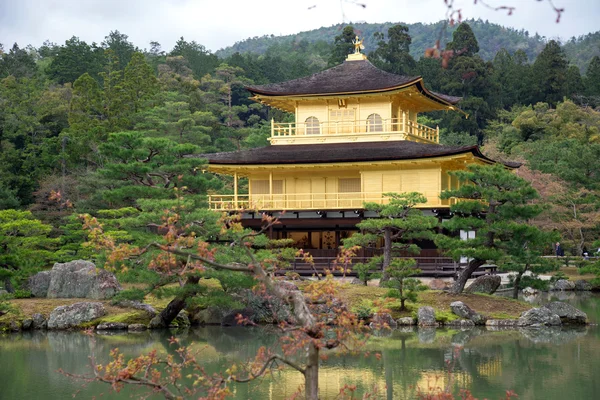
(342, 46)
(129, 294)
(25, 245)
(365, 309)
(231, 281)
(402, 287)
(394, 55)
(463, 41)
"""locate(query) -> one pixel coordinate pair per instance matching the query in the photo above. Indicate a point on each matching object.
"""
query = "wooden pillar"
(271, 187)
(309, 237)
(235, 190)
(337, 237)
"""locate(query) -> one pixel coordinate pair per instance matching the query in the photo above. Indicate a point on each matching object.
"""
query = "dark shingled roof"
(349, 77)
(342, 152)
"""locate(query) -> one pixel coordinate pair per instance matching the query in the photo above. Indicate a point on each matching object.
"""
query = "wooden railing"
(309, 201)
(390, 126)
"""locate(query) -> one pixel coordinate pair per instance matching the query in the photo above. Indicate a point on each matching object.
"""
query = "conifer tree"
(494, 203)
(394, 55)
(464, 43)
(342, 46)
(592, 77)
(549, 74)
(398, 223)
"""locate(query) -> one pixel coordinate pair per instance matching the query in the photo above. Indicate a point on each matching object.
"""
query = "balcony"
(352, 131)
(309, 201)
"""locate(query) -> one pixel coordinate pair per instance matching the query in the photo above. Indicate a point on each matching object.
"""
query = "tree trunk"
(464, 276)
(166, 316)
(311, 373)
(517, 282)
(387, 255)
(8, 286)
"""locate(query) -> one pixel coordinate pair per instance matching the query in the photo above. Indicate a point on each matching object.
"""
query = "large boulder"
(539, 317)
(487, 284)
(39, 283)
(39, 322)
(206, 316)
(405, 321)
(529, 291)
(426, 316)
(583, 285)
(563, 284)
(81, 279)
(438, 284)
(383, 321)
(567, 313)
(464, 311)
(238, 317)
(65, 317)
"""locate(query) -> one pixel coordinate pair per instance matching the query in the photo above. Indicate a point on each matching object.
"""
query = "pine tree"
(549, 74)
(592, 77)
(464, 43)
(398, 223)
(493, 202)
(342, 46)
(394, 55)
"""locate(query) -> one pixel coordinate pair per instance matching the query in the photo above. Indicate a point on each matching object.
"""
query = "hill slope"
(491, 37)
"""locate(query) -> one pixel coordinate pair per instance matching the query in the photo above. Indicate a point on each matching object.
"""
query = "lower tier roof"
(343, 152)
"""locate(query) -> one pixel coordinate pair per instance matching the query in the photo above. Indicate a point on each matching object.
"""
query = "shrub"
(364, 310)
(129, 294)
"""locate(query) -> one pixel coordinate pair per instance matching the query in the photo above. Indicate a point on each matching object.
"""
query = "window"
(349, 185)
(374, 123)
(312, 126)
(261, 186)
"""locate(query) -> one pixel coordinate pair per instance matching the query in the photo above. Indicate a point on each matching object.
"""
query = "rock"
(39, 322)
(383, 321)
(288, 285)
(464, 311)
(39, 283)
(206, 316)
(27, 324)
(329, 310)
(501, 322)
(485, 284)
(426, 316)
(563, 284)
(406, 321)
(138, 305)
(72, 316)
(426, 334)
(14, 326)
(529, 291)
(437, 284)
(567, 313)
(3, 292)
(112, 326)
(231, 319)
(583, 285)
(81, 279)
(539, 317)
(180, 321)
(136, 327)
(356, 281)
(461, 323)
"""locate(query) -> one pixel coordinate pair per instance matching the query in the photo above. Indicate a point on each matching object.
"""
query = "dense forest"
(107, 128)
(491, 38)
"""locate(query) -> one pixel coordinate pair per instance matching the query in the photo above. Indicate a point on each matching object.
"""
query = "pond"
(544, 363)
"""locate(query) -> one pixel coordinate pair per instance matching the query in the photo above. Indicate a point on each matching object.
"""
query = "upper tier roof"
(342, 152)
(357, 76)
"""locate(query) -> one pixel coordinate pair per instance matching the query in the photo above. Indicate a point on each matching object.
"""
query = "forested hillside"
(108, 128)
(491, 37)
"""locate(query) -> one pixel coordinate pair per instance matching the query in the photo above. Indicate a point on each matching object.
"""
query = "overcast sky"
(220, 23)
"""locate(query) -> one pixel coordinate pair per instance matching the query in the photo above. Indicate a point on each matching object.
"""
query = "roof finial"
(358, 46)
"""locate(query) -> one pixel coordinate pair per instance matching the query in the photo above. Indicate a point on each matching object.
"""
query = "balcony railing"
(308, 201)
(402, 127)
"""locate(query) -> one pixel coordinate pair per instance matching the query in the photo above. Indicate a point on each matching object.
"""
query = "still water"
(537, 364)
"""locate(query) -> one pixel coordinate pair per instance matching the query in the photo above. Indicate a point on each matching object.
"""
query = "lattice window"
(312, 126)
(261, 186)
(374, 123)
(349, 185)
(341, 115)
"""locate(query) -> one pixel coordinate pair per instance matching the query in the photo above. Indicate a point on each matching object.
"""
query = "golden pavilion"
(355, 136)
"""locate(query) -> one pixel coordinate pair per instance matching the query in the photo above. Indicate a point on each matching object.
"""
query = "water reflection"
(549, 363)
